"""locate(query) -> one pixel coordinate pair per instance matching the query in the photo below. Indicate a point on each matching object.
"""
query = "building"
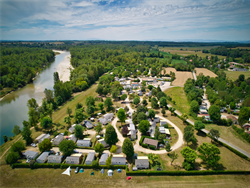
(142, 162)
(74, 159)
(72, 128)
(90, 158)
(132, 131)
(30, 154)
(234, 119)
(162, 123)
(43, 157)
(202, 111)
(151, 142)
(84, 143)
(88, 124)
(55, 158)
(102, 141)
(103, 121)
(103, 158)
(58, 140)
(72, 137)
(157, 120)
(118, 160)
(246, 126)
(40, 138)
(109, 116)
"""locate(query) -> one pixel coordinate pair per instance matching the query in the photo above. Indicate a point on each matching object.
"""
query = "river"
(13, 107)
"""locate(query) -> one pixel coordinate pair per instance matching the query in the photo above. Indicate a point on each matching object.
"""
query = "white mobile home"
(103, 158)
(58, 140)
(90, 158)
(43, 157)
(102, 141)
(72, 137)
(74, 159)
(83, 143)
(54, 159)
(40, 138)
(118, 160)
(142, 162)
(30, 154)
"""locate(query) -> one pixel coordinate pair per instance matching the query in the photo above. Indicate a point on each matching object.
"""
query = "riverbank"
(64, 68)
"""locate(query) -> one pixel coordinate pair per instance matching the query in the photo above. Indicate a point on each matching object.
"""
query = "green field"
(234, 75)
(174, 61)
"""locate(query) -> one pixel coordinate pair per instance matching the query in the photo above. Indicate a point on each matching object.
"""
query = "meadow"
(234, 75)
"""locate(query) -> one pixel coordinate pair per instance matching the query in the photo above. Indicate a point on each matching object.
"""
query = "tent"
(92, 173)
(119, 170)
(102, 171)
(110, 172)
(128, 178)
(67, 171)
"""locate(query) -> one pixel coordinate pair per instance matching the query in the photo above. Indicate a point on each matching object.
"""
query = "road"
(194, 75)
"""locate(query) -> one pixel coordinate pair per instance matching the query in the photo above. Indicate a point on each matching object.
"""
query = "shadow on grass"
(194, 145)
(202, 134)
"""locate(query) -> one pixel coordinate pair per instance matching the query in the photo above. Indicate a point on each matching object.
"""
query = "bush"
(242, 133)
(151, 147)
(144, 145)
(187, 165)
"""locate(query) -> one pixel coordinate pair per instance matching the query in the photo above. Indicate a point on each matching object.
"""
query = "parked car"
(28, 160)
(77, 169)
(33, 144)
(75, 151)
(58, 153)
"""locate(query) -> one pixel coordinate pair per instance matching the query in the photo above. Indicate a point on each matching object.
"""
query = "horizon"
(120, 20)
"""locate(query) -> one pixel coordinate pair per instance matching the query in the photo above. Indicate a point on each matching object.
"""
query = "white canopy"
(67, 171)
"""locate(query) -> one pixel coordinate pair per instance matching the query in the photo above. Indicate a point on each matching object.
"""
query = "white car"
(33, 144)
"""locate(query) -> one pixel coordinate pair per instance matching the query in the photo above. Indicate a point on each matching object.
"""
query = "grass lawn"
(178, 95)
(54, 178)
(174, 61)
(234, 75)
(229, 134)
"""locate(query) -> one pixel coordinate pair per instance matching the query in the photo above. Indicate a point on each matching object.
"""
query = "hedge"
(144, 145)
(151, 147)
(242, 133)
(183, 173)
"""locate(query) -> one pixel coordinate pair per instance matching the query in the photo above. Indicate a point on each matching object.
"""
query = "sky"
(163, 20)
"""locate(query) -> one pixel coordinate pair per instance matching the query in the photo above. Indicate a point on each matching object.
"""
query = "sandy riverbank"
(63, 69)
(59, 51)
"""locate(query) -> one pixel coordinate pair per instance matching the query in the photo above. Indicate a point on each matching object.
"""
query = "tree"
(151, 113)
(241, 77)
(108, 103)
(163, 111)
(110, 135)
(98, 128)
(136, 100)
(90, 101)
(32, 103)
(113, 149)
(69, 111)
(128, 148)
(160, 95)
(194, 107)
(16, 130)
(78, 131)
(12, 157)
(123, 97)
(150, 87)
(215, 134)
(67, 147)
(141, 116)
(232, 105)
(214, 113)
(115, 94)
(49, 95)
(46, 123)
(172, 109)
(184, 117)
(99, 148)
(67, 120)
(56, 77)
(144, 102)
(173, 156)
(244, 115)
(144, 126)
(90, 109)
(154, 103)
(100, 106)
(26, 134)
(198, 125)
(141, 108)
(189, 154)
(50, 110)
(168, 147)
(189, 137)
(33, 117)
(78, 105)
(121, 114)
(25, 123)
(99, 89)
(18, 147)
(78, 116)
(163, 102)
(45, 145)
(209, 153)
(124, 130)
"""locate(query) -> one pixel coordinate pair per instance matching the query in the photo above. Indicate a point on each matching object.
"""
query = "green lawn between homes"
(234, 75)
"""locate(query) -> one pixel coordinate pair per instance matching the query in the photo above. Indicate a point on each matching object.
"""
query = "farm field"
(181, 78)
(205, 72)
(234, 75)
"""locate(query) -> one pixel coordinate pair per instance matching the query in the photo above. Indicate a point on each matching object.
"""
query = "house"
(55, 158)
(246, 126)
(58, 140)
(151, 130)
(102, 141)
(132, 131)
(40, 138)
(90, 158)
(84, 143)
(118, 160)
(234, 119)
(202, 111)
(149, 94)
(103, 158)
(43, 157)
(74, 159)
(109, 116)
(72, 128)
(151, 142)
(162, 130)
(162, 123)
(72, 137)
(139, 93)
(142, 162)
(88, 124)
(156, 119)
(103, 121)
(240, 69)
(30, 154)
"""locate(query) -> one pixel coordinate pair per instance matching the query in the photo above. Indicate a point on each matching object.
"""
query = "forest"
(19, 65)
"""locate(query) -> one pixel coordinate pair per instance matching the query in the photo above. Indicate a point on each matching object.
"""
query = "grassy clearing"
(231, 136)
(234, 75)
(54, 178)
(178, 95)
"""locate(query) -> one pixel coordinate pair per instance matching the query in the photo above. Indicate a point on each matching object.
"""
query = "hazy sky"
(170, 20)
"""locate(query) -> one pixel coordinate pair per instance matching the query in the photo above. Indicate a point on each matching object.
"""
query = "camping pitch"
(67, 171)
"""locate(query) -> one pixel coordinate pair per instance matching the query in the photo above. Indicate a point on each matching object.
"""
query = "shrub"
(144, 145)
(187, 165)
(151, 147)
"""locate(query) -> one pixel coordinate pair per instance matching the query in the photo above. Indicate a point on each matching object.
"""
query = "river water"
(13, 107)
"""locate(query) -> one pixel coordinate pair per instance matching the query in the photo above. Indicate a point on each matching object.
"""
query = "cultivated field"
(168, 70)
(234, 75)
(205, 72)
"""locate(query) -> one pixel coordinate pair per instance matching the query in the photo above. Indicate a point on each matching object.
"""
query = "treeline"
(20, 65)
